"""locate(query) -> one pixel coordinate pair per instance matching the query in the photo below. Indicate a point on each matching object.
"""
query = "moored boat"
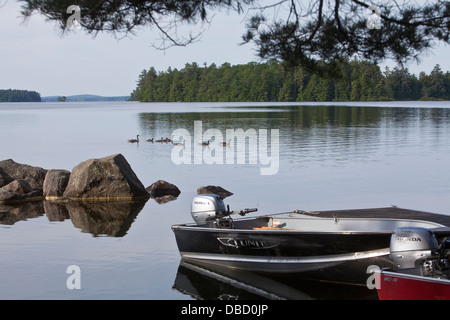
(402, 286)
(422, 269)
(333, 249)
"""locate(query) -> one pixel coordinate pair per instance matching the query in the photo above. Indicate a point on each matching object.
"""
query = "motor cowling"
(207, 207)
(410, 246)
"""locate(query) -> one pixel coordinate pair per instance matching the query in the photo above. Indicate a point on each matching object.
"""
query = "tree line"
(272, 81)
(14, 95)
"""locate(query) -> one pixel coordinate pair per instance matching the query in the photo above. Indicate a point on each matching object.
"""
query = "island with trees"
(273, 81)
(14, 95)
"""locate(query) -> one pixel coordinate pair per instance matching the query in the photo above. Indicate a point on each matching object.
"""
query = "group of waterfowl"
(167, 140)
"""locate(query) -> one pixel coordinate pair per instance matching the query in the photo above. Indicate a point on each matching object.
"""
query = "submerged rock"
(214, 190)
(163, 188)
(55, 184)
(109, 178)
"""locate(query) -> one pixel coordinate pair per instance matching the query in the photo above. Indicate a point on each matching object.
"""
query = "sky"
(36, 56)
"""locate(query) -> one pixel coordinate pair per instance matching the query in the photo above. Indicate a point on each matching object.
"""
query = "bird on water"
(134, 140)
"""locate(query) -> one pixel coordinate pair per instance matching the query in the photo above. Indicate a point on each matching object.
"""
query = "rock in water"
(16, 171)
(4, 178)
(20, 187)
(109, 178)
(7, 196)
(214, 190)
(55, 183)
(163, 188)
(18, 191)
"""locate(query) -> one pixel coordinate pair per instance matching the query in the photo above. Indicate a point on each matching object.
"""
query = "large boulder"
(109, 178)
(55, 183)
(16, 171)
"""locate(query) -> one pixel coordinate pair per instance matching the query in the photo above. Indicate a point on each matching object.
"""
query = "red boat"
(402, 286)
(422, 257)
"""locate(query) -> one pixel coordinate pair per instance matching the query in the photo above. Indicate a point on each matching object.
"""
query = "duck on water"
(134, 140)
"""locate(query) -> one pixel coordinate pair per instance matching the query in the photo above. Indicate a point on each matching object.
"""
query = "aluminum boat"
(332, 249)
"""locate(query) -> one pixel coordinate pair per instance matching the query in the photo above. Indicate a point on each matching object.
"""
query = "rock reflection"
(55, 211)
(12, 213)
(99, 218)
(208, 282)
(164, 199)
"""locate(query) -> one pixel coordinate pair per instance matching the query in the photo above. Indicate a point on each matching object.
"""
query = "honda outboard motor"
(210, 208)
(410, 247)
(207, 207)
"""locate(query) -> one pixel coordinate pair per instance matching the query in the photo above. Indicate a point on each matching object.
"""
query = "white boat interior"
(209, 211)
(312, 224)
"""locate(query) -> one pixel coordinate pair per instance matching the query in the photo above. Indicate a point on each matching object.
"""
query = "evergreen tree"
(435, 85)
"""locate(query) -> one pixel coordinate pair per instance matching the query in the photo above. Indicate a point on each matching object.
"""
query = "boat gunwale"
(193, 226)
(406, 276)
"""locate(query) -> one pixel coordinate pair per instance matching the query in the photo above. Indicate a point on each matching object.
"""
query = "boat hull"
(399, 286)
(328, 249)
(338, 257)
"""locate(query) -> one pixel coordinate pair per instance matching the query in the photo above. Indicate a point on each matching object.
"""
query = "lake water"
(330, 156)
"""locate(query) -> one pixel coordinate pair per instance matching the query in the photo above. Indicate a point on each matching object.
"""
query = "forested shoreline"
(271, 81)
(14, 95)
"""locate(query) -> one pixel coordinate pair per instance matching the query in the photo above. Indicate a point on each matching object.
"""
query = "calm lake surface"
(331, 156)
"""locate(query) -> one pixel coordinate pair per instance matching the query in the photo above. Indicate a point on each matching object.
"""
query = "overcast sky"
(34, 56)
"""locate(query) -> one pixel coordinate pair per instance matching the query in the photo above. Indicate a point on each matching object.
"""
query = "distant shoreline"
(85, 98)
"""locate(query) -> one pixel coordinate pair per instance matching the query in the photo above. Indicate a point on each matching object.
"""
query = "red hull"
(398, 286)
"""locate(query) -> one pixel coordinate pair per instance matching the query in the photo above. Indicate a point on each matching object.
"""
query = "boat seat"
(271, 228)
